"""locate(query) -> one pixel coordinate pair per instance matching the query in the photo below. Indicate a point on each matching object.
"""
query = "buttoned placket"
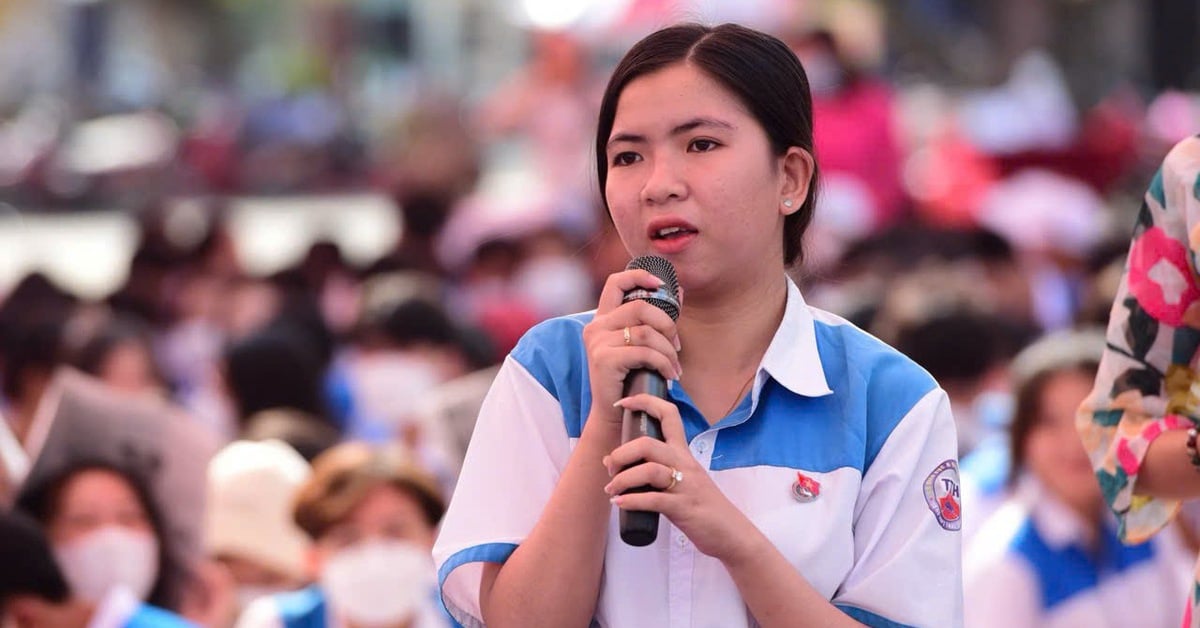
(681, 552)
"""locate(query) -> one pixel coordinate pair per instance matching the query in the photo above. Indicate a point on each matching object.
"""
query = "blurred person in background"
(248, 518)
(1050, 555)
(930, 314)
(33, 320)
(1138, 423)
(34, 593)
(549, 106)
(403, 350)
(119, 351)
(275, 371)
(372, 516)
(855, 137)
(108, 538)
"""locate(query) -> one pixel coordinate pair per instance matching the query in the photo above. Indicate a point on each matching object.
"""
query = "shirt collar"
(1056, 523)
(792, 358)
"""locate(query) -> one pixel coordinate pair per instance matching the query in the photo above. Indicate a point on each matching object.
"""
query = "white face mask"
(109, 557)
(388, 385)
(555, 285)
(378, 583)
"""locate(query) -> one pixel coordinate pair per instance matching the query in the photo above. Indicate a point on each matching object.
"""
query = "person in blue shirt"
(1050, 555)
(808, 475)
(34, 593)
(371, 514)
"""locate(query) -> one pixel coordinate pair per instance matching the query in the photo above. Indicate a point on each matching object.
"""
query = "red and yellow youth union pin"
(805, 489)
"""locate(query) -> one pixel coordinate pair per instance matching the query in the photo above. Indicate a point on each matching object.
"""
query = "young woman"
(808, 476)
(1139, 422)
(371, 516)
(1050, 555)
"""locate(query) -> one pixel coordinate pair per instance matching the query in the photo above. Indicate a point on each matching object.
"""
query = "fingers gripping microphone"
(640, 527)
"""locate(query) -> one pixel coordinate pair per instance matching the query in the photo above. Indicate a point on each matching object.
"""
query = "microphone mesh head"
(665, 298)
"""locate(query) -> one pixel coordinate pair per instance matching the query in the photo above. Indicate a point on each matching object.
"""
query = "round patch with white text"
(941, 495)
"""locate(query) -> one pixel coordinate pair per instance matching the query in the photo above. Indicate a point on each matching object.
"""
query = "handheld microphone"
(640, 527)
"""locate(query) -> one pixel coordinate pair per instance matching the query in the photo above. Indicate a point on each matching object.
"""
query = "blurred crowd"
(980, 231)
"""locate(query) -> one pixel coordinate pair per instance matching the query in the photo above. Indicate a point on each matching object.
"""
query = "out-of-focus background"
(321, 221)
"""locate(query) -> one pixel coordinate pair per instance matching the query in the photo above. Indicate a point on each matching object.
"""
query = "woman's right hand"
(653, 340)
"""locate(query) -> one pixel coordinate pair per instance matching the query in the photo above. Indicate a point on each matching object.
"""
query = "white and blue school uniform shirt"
(831, 408)
(309, 608)
(1029, 565)
(120, 608)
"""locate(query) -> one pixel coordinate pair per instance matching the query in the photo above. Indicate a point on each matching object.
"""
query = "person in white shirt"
(808, 475)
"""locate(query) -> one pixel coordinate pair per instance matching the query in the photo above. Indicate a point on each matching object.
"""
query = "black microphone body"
(640, 527)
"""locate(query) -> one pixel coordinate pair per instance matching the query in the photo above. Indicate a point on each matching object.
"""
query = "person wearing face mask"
(248, 524)
(35, 594)
(107, 540)
(371, 516)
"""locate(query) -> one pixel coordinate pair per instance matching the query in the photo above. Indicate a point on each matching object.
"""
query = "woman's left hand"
(693, 502)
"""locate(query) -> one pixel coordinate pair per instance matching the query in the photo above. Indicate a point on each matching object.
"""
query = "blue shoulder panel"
(553, 354)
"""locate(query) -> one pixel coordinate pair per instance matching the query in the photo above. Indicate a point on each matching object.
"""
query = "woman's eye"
(702, 145)
(626, 158)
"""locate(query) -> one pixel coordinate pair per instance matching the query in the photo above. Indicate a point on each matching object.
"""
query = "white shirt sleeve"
(516, 456)
(907, 540)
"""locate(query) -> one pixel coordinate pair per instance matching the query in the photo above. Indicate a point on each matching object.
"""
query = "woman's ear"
(798, 167)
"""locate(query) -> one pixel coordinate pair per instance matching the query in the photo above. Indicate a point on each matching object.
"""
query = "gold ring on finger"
(628, 337)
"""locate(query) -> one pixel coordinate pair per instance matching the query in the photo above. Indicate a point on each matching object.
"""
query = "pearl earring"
(787, 202)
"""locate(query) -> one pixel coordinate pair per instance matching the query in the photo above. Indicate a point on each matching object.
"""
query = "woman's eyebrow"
(679, 129)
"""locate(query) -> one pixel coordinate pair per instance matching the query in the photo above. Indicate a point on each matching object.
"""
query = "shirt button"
(681, 540)
(700, 447)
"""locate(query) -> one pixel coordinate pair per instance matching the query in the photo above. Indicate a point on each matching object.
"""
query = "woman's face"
(692, 178)
(1053, 450)
(93, 499)
(385, 513)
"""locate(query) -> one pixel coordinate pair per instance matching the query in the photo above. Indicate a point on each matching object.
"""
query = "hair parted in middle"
(760, 70)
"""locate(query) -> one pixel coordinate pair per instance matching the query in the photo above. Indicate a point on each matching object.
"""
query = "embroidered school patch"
(941, 495)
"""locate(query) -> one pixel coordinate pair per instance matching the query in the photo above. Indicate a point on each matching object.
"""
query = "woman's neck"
(729, 332)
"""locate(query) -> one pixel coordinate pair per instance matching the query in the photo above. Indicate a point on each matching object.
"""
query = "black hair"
(29, 565)
(760, 70)
(273, 368)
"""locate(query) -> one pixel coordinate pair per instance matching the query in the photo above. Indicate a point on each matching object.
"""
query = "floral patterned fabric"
(1147, 382)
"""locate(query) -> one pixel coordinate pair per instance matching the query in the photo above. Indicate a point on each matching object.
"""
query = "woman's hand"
(627, 336)
(691, 500)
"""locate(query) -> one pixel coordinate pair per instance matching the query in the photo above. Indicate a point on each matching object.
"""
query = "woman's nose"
(664, 182)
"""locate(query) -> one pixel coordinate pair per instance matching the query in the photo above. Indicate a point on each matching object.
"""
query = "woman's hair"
(43, 502)
(1032, 370)
(342, 477)
(760, 70)
(29, 565)
(92, 351)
